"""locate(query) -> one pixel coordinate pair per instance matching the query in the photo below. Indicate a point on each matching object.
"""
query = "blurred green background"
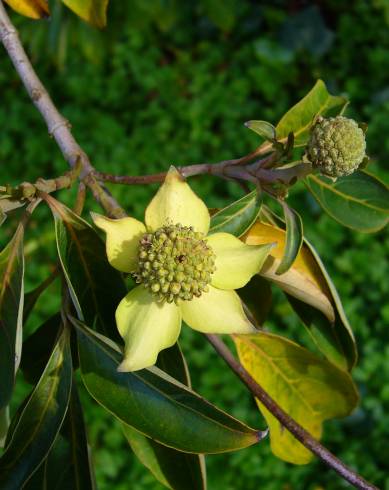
(173, 82)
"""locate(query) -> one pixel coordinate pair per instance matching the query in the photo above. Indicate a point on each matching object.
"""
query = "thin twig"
(290, 424)
(58, 126)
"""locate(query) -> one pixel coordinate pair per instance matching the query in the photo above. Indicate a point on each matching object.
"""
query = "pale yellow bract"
(148, 326)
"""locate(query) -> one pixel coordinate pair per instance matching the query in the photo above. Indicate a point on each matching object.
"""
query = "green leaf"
(322, 330)
(96, 288)
(40, 420)
(11, 312)
(4, 424)
(68, 464)
(311, 293)
(294, 239)
(174, 469)
(359, 201)
(173, 362)
(307, 388)
(38, 347)
(318, 102)
(257, 297)
(237, 217)
(93, 11)
(32, 296)
(186, 421)
(263, 128)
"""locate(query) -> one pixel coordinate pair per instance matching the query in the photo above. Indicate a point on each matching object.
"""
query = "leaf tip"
(261, 434)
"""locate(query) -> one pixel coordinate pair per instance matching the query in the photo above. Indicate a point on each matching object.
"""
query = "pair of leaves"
(35, 428)
(11, 312)
(67, 465)
(359, 201)
(92, 11)
(155, 404)
(309, 389)
(174, 469)
(311, 293)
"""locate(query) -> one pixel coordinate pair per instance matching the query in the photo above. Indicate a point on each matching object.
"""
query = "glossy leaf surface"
(318, 102)
(257, 298)
(237, 217)
(174, 469)
(359, 201)
(294, 239)
(309, 285)
(11, 312)
(96, 288)
(263, 128)
(37, 348)
(67, 464)
(309, 389)
(185, 420)
(38, 423)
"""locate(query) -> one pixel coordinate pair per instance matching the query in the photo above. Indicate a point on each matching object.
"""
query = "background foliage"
(173, 82)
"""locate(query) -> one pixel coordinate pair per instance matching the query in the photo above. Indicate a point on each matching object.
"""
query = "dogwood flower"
(183, 273)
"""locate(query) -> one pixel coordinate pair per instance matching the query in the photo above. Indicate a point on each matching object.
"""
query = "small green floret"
(337, 146)
(175, 263)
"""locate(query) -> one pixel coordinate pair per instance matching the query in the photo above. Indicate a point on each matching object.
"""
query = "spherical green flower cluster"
(337, 146)
(175, 263)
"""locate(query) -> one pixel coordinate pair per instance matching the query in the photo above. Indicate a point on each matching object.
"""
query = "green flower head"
(182, 273)
(337, 146)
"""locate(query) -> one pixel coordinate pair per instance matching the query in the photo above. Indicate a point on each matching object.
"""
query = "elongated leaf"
(4, 424)
(263, 128)
(67, 464)
(298, 120)
(96, 288)
(237, 217)
(257, 297)
(309, 389)
(40, 420)
(359, 201)
(174, 469)
(11, 312)
(38, 347)
(311, 293)
(185, 420)
(36, 9)
(318, 325)
(32, 296)
(3, 216)
(93, 11)
(294, 239)
(303, 280)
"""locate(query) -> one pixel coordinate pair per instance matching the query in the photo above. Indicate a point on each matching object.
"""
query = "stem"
(58, 126)
(290, 424)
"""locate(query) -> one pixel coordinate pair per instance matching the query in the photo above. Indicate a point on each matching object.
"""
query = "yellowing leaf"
(309, 389)
(36, 9)
(304, 280)
(93, 11)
